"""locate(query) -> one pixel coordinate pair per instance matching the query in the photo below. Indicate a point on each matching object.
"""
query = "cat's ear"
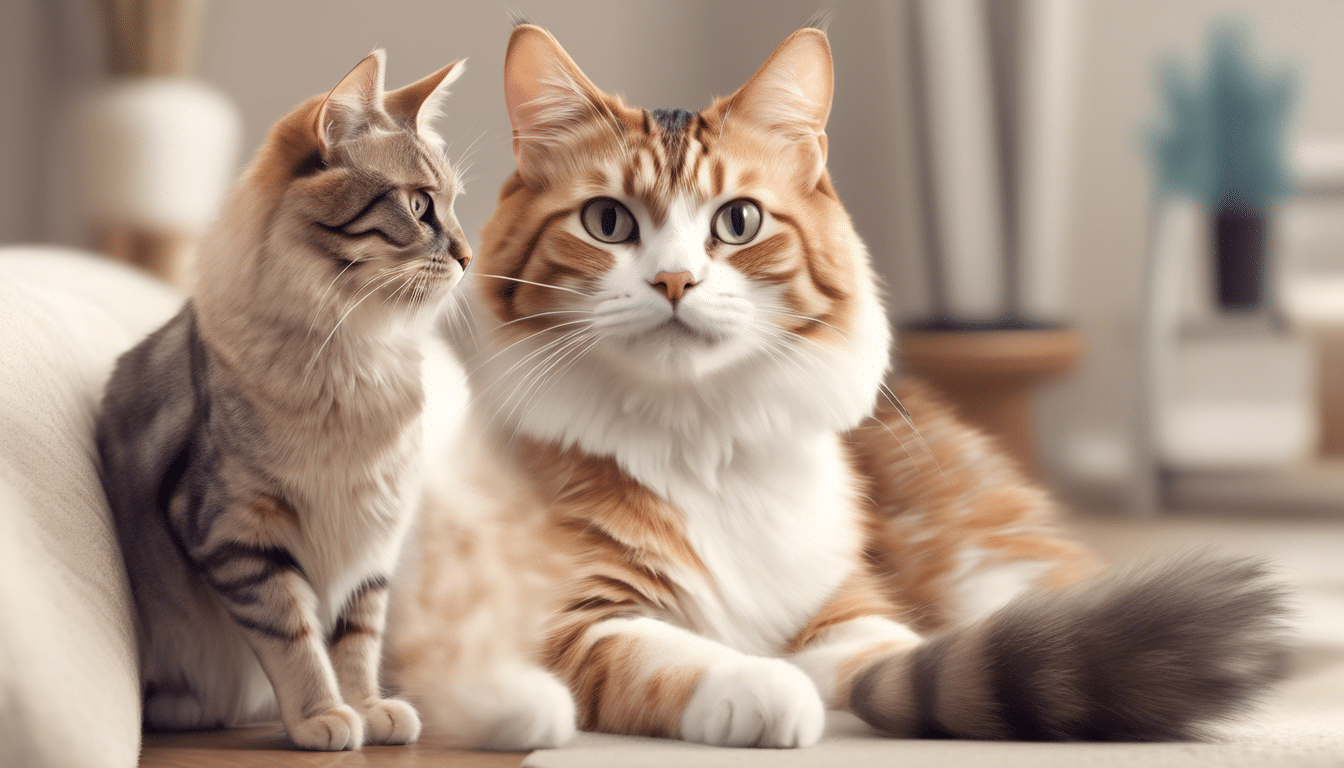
(415, 105)
(354, 103)
(546, 93)
(791, 93)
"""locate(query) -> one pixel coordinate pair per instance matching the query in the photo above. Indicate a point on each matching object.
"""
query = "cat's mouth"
(677, 329)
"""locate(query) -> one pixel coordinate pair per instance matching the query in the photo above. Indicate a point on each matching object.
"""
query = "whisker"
(574, 355)
(529, 282)
(520, 341)
(543, 314)
(805, 317)
(323, 299)
(308, 368)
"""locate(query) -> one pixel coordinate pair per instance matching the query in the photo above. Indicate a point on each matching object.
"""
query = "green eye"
(737, 222)
(609, 221)
(420, 204)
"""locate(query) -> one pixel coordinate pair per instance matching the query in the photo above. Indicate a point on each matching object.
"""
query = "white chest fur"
(349, 461)
(778, 532)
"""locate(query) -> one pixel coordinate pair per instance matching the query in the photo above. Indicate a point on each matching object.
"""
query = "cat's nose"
(673, 284)
(459, 250)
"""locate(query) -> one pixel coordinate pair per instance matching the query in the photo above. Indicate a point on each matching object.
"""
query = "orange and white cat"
(724, 536)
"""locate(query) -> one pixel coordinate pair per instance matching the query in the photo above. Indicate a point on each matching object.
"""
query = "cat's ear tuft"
(415, 105)
(353, 103)
(546, 94)
(791, 92)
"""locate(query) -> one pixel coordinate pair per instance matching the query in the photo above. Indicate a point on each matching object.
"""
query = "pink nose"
(673, 284)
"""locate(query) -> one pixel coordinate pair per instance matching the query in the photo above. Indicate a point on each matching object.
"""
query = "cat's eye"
(609, 221)
(737, 222)
(421, 204)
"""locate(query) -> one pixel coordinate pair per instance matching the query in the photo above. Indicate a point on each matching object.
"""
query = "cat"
(725, 534)
(261, 451)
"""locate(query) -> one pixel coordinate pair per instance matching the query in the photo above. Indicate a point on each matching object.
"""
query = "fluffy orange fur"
(928, 489)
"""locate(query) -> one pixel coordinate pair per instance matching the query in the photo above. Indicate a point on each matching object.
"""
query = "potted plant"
(1223, 146)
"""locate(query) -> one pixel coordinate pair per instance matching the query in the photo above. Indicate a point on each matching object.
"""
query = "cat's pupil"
(738, 219)
(609, 220)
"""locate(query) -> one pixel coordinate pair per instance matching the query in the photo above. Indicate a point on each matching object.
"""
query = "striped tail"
(1144, 654)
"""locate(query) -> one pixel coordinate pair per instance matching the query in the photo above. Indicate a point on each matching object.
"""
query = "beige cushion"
(69, 688)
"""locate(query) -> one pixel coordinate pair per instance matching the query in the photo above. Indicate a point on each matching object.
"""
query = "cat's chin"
(673, 355)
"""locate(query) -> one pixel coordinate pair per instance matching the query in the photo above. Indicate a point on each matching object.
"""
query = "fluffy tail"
(1145, 654)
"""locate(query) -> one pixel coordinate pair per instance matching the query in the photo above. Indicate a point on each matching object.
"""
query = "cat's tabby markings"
(261, 451)
(680, 383)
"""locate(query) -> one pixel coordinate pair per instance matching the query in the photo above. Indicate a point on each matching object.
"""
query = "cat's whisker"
(575, 355)
(539, 285)
(308, 369)
(465, 153)
(924, 447)
(543, 349)
(843, 334)
(547, 351)
(539, 375)
(504, 378)
(321, 302)
(525, 338)
(886, 392)
(544, 314)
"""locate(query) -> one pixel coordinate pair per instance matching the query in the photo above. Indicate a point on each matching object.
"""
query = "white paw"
(535, 711)
(754, 702)
(390, 721)
(337, 728)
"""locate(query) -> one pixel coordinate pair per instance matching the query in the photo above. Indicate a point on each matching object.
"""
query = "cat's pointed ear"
(415, 105)
(353, 103)
(546, 94)
(791, 92)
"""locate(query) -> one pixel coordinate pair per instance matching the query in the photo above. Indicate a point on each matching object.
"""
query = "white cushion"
(69, 686)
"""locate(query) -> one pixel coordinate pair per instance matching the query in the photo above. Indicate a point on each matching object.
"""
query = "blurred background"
(1003, 159)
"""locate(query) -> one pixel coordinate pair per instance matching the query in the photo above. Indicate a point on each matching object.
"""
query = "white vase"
(157, 153)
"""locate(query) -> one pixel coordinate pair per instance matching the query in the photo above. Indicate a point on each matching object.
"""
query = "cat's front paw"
(754, 702)
(390, 721)
(336, 729)
(536, 712)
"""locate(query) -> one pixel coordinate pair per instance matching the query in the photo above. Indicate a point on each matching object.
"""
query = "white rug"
(1301, 725)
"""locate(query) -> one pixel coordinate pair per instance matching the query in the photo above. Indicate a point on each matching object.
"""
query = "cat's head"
(673, 246)
(347, 208)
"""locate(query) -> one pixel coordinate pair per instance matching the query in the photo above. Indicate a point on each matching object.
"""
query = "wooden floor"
(267, 747)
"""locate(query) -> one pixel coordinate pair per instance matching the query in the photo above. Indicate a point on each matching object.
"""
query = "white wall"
(21, 102)
(1124, 40)
(269, 55)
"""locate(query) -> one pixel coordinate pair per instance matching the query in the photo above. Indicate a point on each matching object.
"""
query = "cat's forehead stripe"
(670, 158)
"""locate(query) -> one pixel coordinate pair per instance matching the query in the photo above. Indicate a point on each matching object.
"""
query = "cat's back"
(148, 412)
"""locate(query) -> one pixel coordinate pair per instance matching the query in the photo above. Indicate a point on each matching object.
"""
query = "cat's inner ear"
(354, 103)
(414, 106)
(546, 94)
(791, 93)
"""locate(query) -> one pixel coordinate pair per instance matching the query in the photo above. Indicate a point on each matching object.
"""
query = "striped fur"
(261, 450)
(742, 539)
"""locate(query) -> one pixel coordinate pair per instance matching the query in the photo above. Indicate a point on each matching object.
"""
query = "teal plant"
(1223, 142)
(1223, 145)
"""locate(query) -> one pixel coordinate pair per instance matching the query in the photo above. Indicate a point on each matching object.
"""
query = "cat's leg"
(959, 528)
(243, 557)
(856, 626)
(356, 645)
(278, 620)
(639, 675)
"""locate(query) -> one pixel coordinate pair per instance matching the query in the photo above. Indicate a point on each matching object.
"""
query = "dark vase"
(1239, 253)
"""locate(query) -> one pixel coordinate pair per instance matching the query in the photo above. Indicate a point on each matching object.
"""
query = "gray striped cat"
(261, 451)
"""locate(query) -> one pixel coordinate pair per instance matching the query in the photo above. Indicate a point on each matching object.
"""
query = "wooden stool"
(990, 376)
